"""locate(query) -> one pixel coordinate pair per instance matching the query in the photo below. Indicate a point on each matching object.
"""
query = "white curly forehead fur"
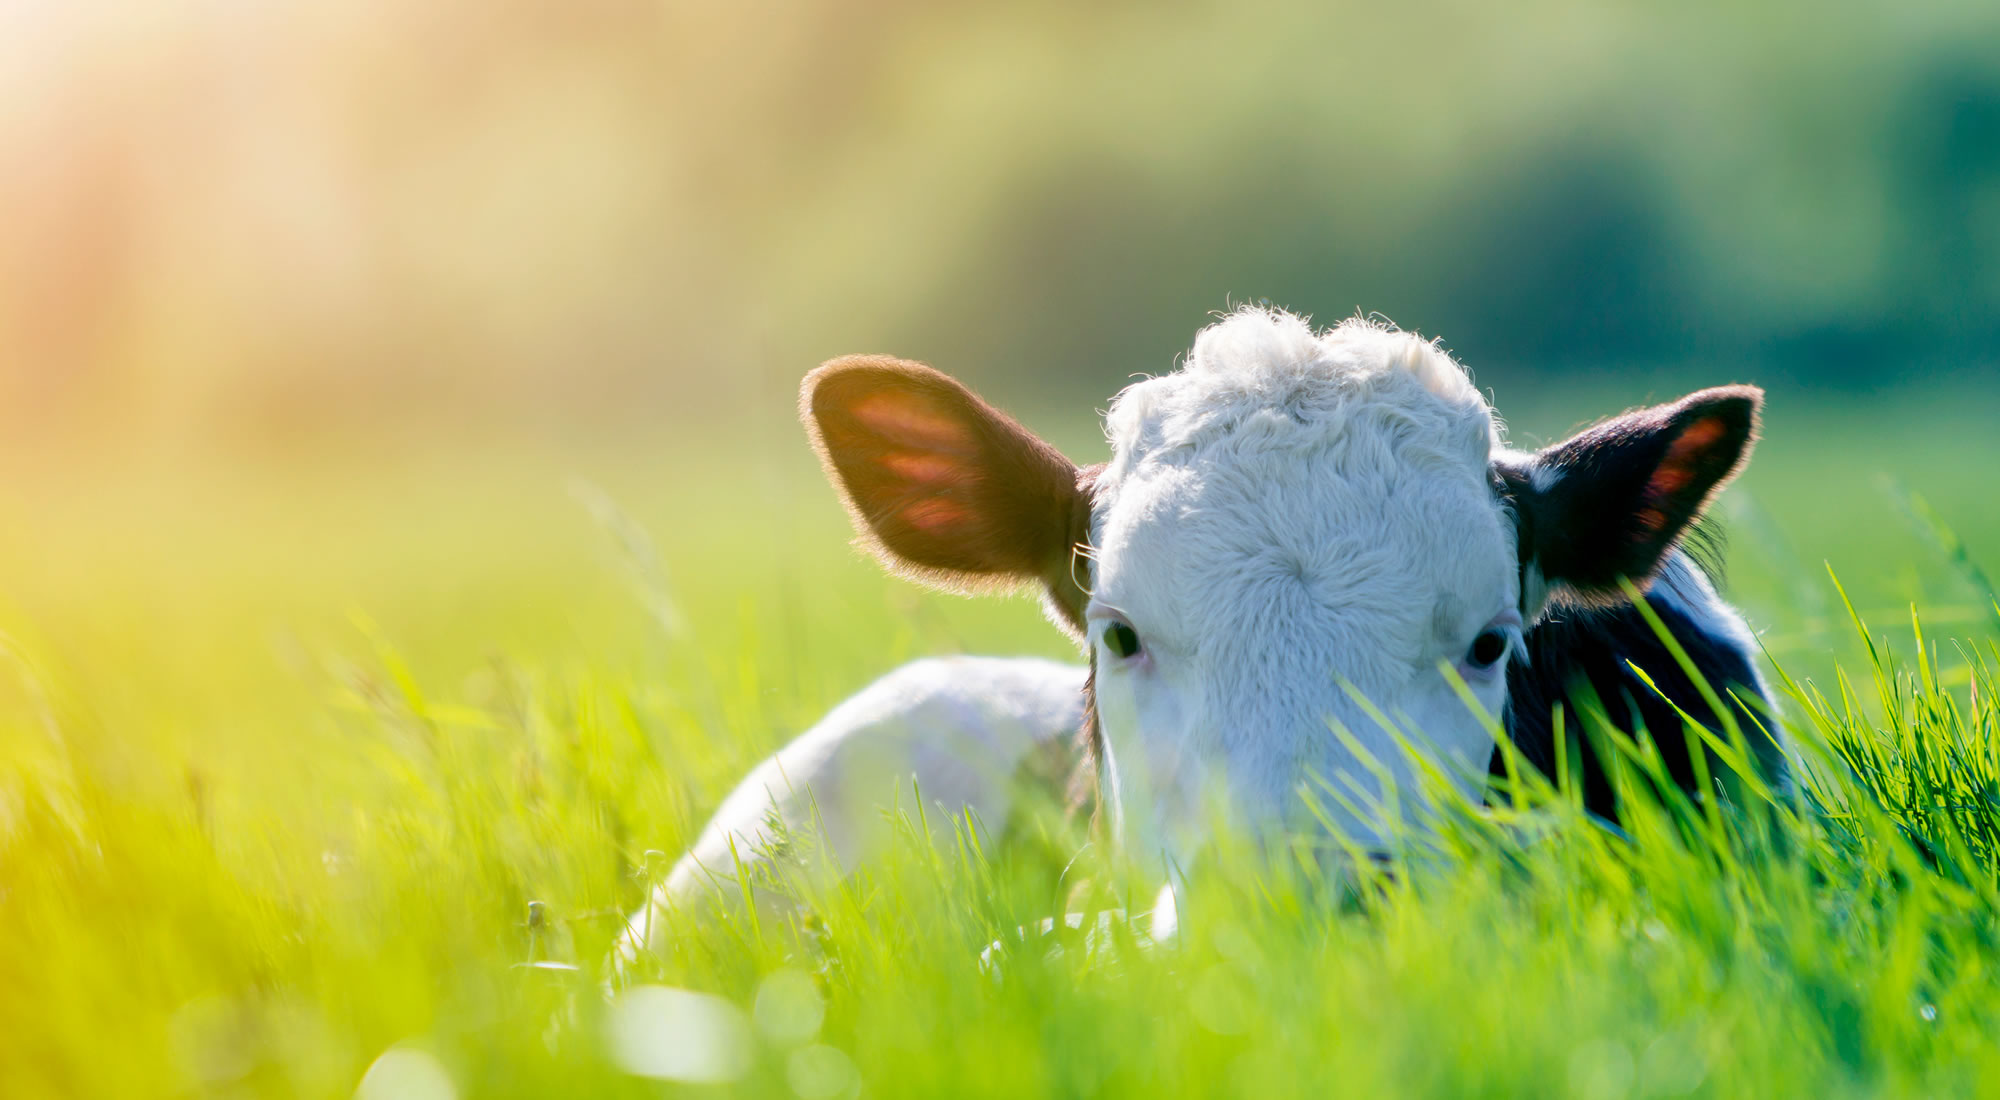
(1267, 373)
(1298, 508)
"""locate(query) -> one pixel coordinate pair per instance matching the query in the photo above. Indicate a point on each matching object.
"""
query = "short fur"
(1582, 652)
(958, 732)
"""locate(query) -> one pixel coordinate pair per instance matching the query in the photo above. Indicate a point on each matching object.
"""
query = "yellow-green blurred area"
(329, 313)
(403, 513)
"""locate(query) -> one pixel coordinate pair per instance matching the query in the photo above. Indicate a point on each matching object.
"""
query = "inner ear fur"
(943, 487)
(1611, 501)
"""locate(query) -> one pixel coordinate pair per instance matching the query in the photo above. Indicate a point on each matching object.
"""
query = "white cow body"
(952, 730)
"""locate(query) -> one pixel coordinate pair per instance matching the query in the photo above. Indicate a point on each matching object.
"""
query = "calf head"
(1295, 529)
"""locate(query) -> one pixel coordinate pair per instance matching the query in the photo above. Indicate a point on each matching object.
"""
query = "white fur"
(956, 728)
(1291, 515)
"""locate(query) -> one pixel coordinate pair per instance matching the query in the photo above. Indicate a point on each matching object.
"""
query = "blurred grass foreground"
(404, 530)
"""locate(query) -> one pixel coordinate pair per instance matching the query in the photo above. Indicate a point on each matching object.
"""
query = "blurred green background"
(324, 308)
(257, 221)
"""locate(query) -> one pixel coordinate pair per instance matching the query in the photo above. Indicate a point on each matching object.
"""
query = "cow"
(1298, 533)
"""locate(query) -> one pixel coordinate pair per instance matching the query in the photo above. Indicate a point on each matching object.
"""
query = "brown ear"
(943, 487)
(1611, 501)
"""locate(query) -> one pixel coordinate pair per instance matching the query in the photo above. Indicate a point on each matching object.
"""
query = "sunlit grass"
(401, 868)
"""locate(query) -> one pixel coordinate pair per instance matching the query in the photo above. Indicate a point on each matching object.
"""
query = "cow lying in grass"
(1298, 534)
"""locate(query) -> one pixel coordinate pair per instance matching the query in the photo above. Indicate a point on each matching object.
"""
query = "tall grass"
(454, 929)
(381, 873)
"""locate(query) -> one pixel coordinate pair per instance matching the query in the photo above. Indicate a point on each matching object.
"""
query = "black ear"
(1611, 501)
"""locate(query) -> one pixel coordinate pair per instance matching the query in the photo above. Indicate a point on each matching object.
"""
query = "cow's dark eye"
(1121, 639)
(1487, 649)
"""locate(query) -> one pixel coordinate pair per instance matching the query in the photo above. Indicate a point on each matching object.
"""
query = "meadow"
(333, 772)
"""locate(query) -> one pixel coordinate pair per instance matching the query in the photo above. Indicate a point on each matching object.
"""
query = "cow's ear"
(942, 486)
(1611, 501)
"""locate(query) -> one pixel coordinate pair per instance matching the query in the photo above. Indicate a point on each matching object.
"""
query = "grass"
(311, 786)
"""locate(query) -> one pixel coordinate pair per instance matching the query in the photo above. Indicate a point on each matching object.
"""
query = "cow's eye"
(1121, 639)
(1487, 649)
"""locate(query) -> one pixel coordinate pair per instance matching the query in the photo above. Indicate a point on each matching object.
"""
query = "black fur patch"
(1574, 647)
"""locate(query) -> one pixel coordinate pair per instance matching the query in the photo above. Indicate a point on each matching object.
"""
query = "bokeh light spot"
(789, 1008)
(676, 1035)
(406, 1073)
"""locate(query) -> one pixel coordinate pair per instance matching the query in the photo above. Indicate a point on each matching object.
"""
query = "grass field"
(289, 747)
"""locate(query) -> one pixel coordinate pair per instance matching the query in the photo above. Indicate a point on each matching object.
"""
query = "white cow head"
(1288, 521)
